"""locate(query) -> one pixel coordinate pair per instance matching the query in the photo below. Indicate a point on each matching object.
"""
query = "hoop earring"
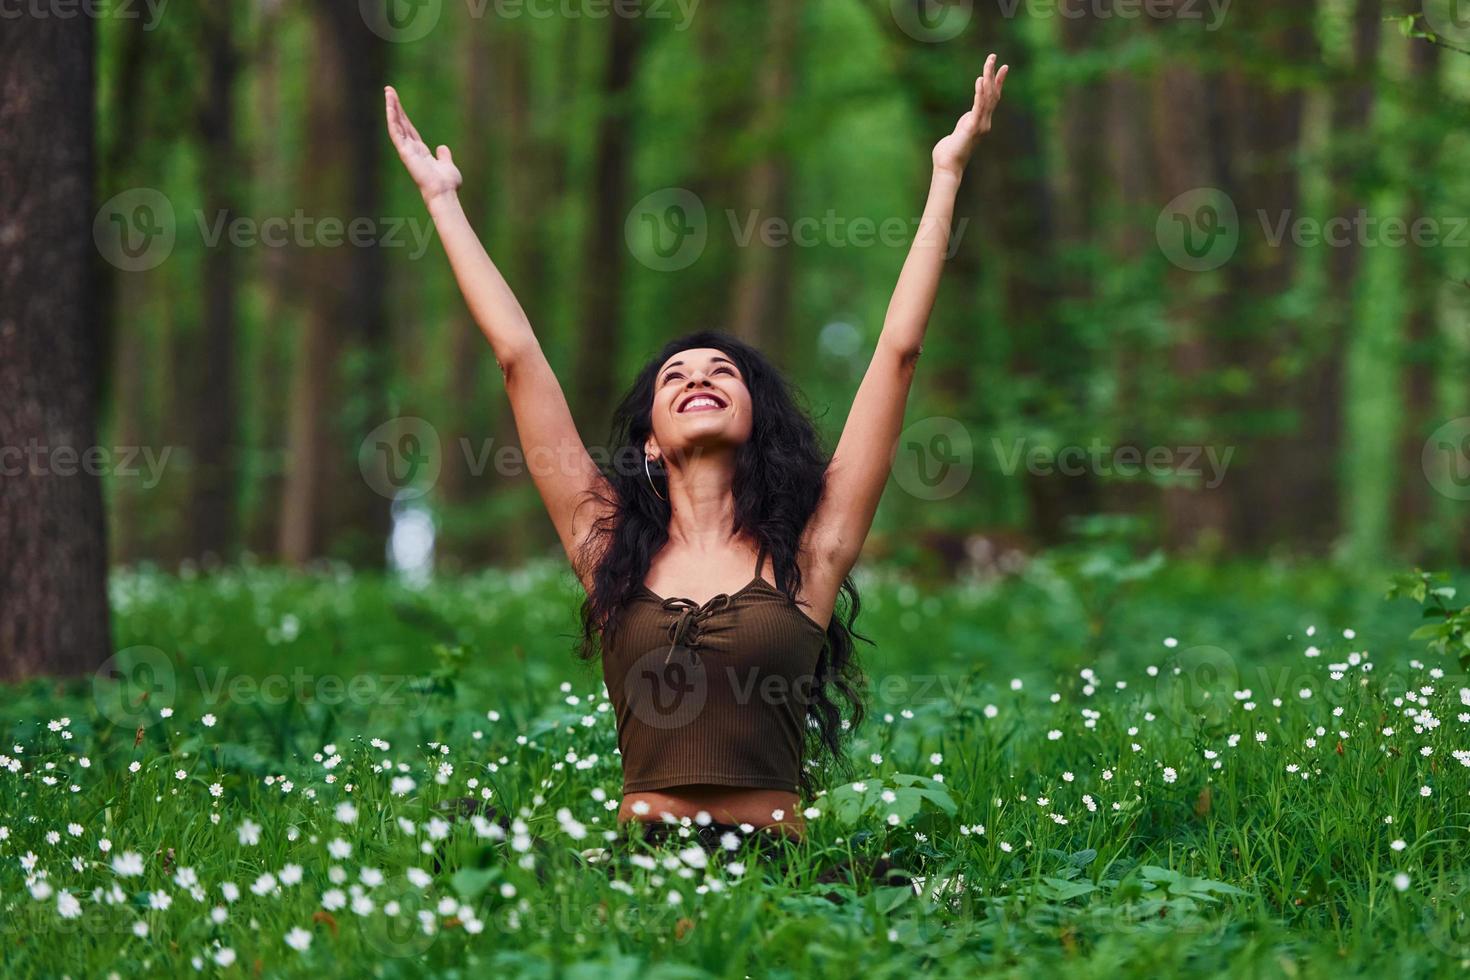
(648, 473)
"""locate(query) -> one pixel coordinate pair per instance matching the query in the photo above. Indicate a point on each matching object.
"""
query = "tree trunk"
(129, 386)
(601, 308)
(760, 296)
(1314, 494)
(1183, 156)
(303, 531)
(532, 166)
(1013, 183)
(276, 269)
(53, 549)
(1128, 168)
(1262, 126)
(339, 388)
(466, 536)
(361, 534)
(1423, 343)
(212, 517)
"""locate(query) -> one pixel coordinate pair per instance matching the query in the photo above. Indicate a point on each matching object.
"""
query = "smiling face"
(699, 401)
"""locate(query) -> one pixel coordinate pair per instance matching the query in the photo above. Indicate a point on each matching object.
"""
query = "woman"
(730, 683)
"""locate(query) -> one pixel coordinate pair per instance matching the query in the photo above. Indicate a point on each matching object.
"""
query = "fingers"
(988, 85)
(399, 125)
(443, 154)
(988, 88)
(390, 101)
(399, 128)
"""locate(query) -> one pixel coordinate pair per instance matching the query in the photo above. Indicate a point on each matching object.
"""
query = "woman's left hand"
(953, 152)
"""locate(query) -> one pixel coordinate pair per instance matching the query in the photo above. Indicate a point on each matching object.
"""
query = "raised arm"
(864, 455)
(565, 475)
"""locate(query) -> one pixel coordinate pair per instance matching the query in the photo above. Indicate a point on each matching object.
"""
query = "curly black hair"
(779, 476)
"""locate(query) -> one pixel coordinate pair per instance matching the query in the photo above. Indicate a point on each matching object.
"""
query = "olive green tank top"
(713, 693)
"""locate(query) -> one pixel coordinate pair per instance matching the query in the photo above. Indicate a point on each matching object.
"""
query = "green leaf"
(1154, 873)
(890, 898)
(941, 799)
(471, 883)
(1083, 858)
(908, 804)
(1061, 890)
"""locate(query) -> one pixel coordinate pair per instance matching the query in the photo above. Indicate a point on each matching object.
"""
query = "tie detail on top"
(685, 630)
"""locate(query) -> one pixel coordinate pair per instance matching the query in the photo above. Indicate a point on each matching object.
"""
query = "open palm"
(434, 173)
(953, 152)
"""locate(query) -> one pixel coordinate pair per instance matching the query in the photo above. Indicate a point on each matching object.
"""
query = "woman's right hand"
(434, 173)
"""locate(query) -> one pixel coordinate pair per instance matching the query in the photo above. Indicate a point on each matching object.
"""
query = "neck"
(701, 499)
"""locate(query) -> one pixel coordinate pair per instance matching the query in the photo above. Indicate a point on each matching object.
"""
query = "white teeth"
(700, 400)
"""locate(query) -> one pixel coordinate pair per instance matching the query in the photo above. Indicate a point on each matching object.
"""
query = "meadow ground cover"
(1096, 765)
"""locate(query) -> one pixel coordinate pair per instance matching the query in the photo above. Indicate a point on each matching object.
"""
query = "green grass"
(1006, 705)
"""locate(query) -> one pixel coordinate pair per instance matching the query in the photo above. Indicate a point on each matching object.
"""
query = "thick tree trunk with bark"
(53, 552)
